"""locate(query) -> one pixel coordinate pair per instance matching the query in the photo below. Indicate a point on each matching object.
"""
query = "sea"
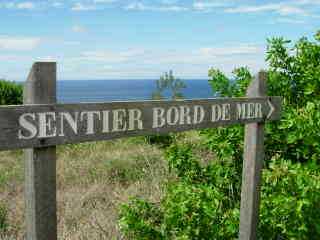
(73, 91)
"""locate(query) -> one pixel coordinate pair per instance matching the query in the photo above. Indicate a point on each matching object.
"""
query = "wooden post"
(40, 163)
(252, 166)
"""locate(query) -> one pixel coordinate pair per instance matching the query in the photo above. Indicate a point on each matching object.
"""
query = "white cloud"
(111, 56)
(18, 43)
(147, 63)
(169, 1)
(206, 55)
(289, 21)
(79, 29)
(46, 59)
(237, 53)
(232, 50)
(139, 6)
(25, 5)
(280, 8)
(8, 5)
(288, 10)
(136, 6)
(20, 5)
(209, 5)
(57, 4)
(306, 2)
(104, 1)
(81, 7)
(108, 67)
(249, 9)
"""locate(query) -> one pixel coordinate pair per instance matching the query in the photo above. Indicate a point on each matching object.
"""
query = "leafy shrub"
(290, 201)
(10, 93)
(222, 86)
(227, 143)
(294, 74)
(141, 220)
(167, 83)
(196, 205)
(203, 202)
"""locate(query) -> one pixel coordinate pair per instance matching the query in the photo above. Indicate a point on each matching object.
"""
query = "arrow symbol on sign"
(272, 108)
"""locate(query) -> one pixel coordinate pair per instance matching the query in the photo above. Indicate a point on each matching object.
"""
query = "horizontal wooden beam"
(26, 126)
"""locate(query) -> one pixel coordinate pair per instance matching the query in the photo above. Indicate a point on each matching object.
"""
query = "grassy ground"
(92, 179)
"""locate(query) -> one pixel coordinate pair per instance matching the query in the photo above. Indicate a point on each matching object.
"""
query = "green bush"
(141, 220)
(203, 202)
(170, 84)
(167, 83)
(290, 201)
(294, 74)
(196, 205)
(10, 93)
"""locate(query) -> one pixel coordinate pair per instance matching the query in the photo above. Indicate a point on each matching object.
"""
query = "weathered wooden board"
(53, 124)
(253, 157)
(40, 163)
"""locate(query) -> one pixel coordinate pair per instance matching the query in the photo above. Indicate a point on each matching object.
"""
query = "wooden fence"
(40, 124)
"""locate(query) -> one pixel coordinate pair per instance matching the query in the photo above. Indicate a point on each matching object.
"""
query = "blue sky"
(124, 39)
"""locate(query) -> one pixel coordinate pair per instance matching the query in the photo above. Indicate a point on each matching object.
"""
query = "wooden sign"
(41, 124)
(47, 125)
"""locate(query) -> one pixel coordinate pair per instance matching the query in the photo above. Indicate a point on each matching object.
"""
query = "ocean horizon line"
(121, 79)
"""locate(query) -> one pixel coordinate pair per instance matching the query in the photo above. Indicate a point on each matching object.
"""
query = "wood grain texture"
(252, 167)
(40, 163)
(9, 119)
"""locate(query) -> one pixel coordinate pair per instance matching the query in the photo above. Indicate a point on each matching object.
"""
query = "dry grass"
(93, 180)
